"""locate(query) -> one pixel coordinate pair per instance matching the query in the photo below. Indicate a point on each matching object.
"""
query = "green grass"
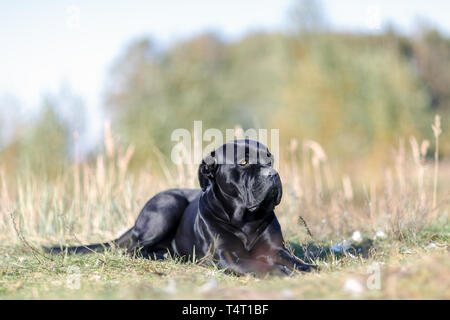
(408, 270)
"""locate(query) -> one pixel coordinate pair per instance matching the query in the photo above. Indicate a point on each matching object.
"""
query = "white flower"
(380, 235)
(356, 236)
(431, 245)
(353, 287)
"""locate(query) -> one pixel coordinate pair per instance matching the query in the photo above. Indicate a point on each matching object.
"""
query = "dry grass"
(97, 201)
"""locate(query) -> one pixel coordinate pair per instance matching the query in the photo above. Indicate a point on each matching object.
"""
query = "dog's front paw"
(303, 267)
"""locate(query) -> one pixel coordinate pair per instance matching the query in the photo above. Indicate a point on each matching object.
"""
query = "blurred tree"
(431, 55)
(200, 79)
(355, 94)
(43, 144)
(155, 94)
(354, 98)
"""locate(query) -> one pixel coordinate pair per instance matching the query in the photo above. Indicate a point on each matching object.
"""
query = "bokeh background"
(90, 94)
(355, 76)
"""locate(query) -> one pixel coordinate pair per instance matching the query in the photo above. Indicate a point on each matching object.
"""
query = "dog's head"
(242, 171)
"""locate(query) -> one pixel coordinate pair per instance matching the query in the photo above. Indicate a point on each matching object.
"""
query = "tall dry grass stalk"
(96, 200)
(437, 132)
(419, 154)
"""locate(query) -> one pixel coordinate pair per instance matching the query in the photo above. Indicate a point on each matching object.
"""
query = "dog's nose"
(268, 172)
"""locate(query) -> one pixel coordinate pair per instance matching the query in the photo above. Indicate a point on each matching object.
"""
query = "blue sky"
(49, 44)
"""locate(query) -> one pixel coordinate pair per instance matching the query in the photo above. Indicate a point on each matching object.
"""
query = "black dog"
(231, 218)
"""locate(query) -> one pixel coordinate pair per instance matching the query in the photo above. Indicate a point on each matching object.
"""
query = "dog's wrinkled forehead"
(236, 151)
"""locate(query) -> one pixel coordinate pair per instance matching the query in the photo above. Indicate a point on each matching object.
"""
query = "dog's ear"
(207, 170)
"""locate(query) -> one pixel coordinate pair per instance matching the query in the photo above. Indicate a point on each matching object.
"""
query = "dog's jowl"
(231, 218)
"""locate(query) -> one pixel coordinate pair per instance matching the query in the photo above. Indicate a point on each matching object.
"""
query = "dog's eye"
(243, 163)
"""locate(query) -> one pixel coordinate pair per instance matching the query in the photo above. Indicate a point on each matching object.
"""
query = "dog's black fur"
(232, 216)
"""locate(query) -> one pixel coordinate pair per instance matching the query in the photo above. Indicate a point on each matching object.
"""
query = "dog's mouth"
(272, 199)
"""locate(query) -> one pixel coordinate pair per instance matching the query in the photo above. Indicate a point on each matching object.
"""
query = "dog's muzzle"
(274, 192)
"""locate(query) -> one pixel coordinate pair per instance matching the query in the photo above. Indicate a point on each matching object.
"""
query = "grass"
(407, 271)
(396, 224)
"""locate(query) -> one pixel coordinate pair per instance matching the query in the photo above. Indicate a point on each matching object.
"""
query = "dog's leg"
(158, 221)
(270, 248)
(249, 266)
(126, 240)
(239, 261)
(292, 262)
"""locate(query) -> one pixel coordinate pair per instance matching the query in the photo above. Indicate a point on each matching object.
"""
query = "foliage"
(333, 88)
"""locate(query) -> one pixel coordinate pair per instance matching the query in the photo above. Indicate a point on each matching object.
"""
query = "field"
(383, 238)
